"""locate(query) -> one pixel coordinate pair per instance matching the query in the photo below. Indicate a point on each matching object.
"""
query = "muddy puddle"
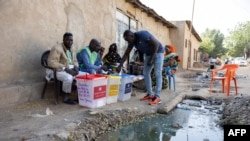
(191, 120)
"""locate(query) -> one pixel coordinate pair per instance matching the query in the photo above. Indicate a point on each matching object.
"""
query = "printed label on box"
(113, 90)
(99, 91)
(128, 88)
(113, 93)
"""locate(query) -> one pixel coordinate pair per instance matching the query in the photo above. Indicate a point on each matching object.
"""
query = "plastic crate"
(125, 88)
(92, 90)
(113, 88)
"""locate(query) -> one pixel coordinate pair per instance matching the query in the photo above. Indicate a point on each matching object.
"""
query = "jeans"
(157, 64)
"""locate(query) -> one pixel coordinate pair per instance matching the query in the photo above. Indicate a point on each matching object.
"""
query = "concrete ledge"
(170, 105)
(23, 93)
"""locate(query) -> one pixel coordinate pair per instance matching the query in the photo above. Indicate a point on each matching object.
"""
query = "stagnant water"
(185, 123)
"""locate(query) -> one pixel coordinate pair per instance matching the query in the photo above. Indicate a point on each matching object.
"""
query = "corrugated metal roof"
(151, 13)
(158, 18)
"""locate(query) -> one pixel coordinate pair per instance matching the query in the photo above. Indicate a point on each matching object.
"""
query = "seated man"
(89, 58)
(112, 59)
(63, 59)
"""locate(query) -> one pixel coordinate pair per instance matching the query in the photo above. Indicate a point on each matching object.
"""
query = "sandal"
(70, 101)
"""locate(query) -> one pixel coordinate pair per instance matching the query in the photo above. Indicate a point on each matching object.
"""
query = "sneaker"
(147, 97)
(155, 100)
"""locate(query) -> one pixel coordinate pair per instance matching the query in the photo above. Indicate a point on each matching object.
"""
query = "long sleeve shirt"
(58, 58)
(86, 62)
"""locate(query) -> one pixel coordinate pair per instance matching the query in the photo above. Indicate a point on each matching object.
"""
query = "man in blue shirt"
(89, 59)
(153, 58)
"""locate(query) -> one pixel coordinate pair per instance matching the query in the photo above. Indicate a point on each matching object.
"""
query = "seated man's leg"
(67, 80)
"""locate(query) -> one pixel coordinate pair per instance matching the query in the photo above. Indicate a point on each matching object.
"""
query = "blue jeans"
(157, 65)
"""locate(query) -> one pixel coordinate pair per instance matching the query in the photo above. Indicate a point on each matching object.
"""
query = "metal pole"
(190, 32)
(192, 19)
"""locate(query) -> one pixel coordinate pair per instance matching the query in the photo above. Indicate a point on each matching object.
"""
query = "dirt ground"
(43, 121)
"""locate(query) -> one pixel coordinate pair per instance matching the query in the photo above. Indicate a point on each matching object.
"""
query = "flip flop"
(70, 101)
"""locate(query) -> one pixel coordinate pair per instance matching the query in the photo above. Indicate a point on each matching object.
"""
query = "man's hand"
(72, 72)
(105, 68)
(76, 69)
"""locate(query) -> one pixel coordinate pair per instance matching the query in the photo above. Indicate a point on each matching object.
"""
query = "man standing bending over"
(153, 57)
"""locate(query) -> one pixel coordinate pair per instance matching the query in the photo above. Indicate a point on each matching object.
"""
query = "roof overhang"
(151, 13)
